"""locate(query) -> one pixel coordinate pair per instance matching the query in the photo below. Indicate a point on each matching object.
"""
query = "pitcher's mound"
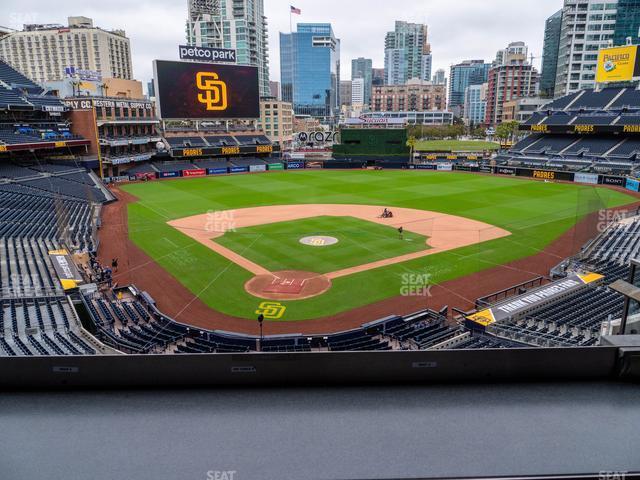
(288, 285)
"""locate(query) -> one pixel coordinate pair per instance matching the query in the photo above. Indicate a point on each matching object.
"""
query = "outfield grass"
(276, 246)
(535, 213)
(455, 145)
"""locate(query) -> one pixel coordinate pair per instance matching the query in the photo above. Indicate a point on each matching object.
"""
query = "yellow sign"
(230, 150)
(583, 128)
(271, 310)
(631, 128)
(484, 317)
(539, 128)
(60, 144)
(3, 148)
(544, 174)
(264, 148)
(215, 91)
(192, 152)
(617, 64)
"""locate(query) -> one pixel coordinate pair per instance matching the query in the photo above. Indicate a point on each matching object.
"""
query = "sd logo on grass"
(271, 310)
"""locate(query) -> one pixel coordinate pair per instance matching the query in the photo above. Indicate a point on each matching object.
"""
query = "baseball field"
(314, 244)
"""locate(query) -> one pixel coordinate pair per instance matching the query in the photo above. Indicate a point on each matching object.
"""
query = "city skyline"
(360, 36)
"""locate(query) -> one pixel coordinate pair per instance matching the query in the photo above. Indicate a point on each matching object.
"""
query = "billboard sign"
(618, 64)
(616, 181)
(190, 90)
(585, 178)
(207, 54)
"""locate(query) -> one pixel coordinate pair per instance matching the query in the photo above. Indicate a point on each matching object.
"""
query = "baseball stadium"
(214, 241)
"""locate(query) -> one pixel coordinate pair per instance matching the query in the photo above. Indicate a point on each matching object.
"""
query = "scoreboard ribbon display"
(190, 90)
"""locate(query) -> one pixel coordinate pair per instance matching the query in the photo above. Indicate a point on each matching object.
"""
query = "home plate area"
(288, 285)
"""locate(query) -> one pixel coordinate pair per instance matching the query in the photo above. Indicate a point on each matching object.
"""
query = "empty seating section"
(12, 77)
(602, 119)
(618, 244)
(591, 99)
(626, 149)
(552, 144)
(592, 146)
(629, 119)
(173, 166)
(211, 163)
(535, 118)
(10, 98)
(44, 100)
(526, 142)
(41, 326)
(221, 141)
(630, 98)
(217, 140)
(559, 118)
(562, 102)
(245, 162)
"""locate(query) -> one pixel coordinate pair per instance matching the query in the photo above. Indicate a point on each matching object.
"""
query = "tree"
(411, 143)
(507, 130)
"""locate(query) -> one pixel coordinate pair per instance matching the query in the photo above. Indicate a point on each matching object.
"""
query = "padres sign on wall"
(618, 64)
(190, 90)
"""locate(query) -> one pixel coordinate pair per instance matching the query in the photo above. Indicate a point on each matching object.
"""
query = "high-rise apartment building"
(553, 27)
(627, 22)
(407, 54)
(377, 77)
(345, 93)
(475, 104)
(53, 52)
(587, 26)
(415, 96)
(511, 77)
(357, 92)
(310, 70)
(363, 68)
(439, 78)
(235, 24)
(462, 75)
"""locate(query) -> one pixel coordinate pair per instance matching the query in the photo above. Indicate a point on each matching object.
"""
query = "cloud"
(458, 29)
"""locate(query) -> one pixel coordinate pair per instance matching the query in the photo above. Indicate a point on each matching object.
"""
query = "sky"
(458, 29)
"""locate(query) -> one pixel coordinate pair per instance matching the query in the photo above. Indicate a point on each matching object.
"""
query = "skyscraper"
(511, 77)
(469, 72)
(587, 26)
(627, 22)
(552, 31)
(407, 54)
(363, 68)
(378, 76)
(439, 77)
(310, 70)
(237, 24)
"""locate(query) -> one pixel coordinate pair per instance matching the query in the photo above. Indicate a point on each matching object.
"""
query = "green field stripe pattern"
(276, 246)
(536, 213)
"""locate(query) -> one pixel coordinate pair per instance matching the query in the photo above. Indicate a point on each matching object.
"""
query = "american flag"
(295, 10)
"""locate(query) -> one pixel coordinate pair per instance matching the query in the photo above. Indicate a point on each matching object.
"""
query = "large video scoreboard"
(206, 91)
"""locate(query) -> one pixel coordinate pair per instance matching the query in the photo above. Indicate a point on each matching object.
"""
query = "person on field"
(401, 232)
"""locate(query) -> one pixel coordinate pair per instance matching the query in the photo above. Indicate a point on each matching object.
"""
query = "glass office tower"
(627, 22)
(310, 70)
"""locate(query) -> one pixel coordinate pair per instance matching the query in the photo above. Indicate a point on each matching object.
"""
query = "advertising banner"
(585, 178)
(238, 169)
(195, 172)
(295, 165)
(144, 176)
(632, 184)
(276, 166)
(190, 90)
(545, 174)
(444, 167)
(168, 174)
(485, 169)
(505, 171)
(257, 168)
(207, 54)
(216, 171)
(425, 166)
(609, 180)
(618, 64)
(65, 268)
